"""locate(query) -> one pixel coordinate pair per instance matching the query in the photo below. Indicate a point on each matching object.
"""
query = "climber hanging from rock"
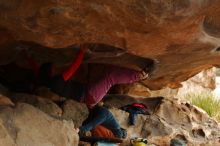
(92, 92)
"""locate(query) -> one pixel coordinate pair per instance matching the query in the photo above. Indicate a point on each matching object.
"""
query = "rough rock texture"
(182, 36)
(75, 111)
(5, 101)
(139, 90)
(5, 97)
(202, 82)
(45, 105)
(26, 125)
(46, 93)
(169, 119)
(134, 89)
(69, 110)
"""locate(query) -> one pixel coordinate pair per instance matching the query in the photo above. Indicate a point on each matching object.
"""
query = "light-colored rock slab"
(26, 125)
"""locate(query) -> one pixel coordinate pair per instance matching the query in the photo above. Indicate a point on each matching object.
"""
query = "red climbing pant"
(101, 131)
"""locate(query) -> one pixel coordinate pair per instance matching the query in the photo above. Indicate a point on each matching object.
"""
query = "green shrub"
(207, 102)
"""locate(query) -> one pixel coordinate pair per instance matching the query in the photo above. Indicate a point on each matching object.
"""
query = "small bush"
(207, 102)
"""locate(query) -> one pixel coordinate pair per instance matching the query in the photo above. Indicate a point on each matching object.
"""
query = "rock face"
(202, 82)
(172, 119)
(26, 125)
(75, 111)
(45, 105)
(182, 36)
(69, 109)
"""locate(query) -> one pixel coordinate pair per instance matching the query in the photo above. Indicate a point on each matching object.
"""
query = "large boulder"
(44, 104)
(181, 36)
(75, 111)
(26, 125)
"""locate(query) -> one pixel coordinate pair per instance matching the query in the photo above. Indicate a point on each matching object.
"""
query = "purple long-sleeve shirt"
(113, 75)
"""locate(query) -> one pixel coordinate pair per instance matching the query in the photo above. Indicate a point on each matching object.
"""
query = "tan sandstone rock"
(182, 36)
(44, 104)
(5, 101)
(4, 97)
(170, 119)
(26, 125)
(75, 111)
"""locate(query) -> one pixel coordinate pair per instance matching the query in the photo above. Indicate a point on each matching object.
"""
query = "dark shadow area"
(211, 25)
(99, 53)
(198, 133)
(217, 49)
(125, 60)
(19, 76)
(16, 78)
